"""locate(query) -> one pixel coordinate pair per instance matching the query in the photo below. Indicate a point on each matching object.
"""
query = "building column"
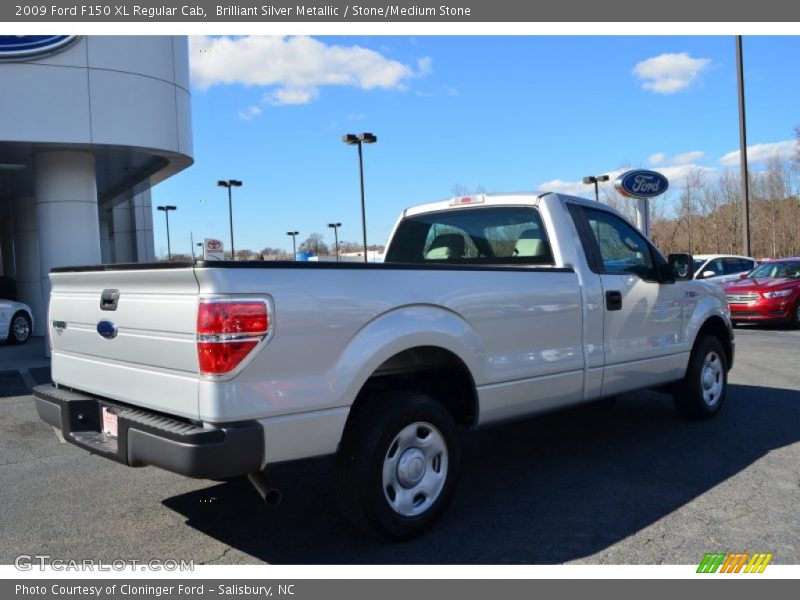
(66, 212)
(106, 254)
(26, 249)
(124, 251)
(7, 268)
(143, 224)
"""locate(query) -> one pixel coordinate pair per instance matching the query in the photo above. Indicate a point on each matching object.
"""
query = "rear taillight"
(228, 331)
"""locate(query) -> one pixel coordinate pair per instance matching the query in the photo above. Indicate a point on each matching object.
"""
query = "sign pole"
(643, 216)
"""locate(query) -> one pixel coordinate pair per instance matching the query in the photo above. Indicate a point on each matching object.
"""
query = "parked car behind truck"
(488, 308)
(769, 293)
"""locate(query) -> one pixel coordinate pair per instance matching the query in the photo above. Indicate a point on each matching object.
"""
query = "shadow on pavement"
(548, 490)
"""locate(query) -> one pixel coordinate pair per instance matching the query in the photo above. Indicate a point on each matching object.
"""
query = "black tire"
(699, 395)
(19, 328)
(370, 437)
(796, 315)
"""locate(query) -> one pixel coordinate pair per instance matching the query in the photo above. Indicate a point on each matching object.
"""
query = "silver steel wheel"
(712, 378)
(20, 328)
(415, 469)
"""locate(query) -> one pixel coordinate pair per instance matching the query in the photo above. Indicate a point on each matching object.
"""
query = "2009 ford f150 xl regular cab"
(488, 308)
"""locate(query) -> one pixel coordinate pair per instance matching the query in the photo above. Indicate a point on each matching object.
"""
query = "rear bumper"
(148, 438)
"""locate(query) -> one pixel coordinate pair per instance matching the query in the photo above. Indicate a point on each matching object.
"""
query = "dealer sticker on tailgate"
(109, 422)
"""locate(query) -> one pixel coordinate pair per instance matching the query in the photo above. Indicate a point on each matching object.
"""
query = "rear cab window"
(502, 235)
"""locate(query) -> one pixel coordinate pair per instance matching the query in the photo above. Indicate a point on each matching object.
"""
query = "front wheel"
(20, 329)
(701, 393)
(398, 464)
(796, 316)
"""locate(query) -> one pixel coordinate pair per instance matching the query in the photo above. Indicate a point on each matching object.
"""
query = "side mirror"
(707, 274)
(680, 266)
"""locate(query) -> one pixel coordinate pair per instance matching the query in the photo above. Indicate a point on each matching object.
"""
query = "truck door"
(643, 321)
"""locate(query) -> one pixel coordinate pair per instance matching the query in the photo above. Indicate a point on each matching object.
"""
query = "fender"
(711, 303)
(421, 325)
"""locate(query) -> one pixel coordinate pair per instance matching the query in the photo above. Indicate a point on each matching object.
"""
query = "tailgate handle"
(613, 300)
(108, 299)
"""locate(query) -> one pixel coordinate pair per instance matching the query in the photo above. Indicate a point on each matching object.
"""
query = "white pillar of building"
(66, 211)
(26, 246)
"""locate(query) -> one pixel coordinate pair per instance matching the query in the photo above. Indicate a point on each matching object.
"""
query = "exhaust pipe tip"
(271, 496)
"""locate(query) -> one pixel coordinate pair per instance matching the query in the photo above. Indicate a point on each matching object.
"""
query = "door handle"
(613, 300)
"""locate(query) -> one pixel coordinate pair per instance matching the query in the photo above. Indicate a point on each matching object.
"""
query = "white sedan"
(722, 268)
(16, 322)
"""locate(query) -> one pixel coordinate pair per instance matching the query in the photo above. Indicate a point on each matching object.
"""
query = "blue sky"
(503, 113)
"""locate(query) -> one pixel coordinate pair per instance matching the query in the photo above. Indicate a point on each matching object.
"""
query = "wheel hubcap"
(712, 378)
(21, 328)
(415, 469)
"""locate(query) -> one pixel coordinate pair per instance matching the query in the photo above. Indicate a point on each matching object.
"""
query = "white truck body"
(527, 338)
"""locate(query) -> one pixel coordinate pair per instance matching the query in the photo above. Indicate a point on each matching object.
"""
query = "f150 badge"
(107, 329)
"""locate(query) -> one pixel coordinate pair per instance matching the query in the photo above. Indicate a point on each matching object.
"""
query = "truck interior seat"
(446, 246)
(529, 243)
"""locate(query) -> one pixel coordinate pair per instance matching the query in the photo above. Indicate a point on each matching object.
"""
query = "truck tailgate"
(148, 355)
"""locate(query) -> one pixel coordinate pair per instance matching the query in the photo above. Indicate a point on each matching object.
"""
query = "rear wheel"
(398, 464)
(701, 393)
(20, 329)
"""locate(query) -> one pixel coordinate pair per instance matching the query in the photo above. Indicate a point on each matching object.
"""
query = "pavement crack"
(218, 558)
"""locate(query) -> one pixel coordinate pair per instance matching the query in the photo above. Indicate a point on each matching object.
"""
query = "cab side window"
(716, 267)
(622, 248)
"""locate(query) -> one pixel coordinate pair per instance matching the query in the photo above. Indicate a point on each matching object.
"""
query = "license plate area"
(109, 422)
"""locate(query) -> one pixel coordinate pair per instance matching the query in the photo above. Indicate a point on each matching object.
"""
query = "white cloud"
(657, 158)
(688, 158)
(759, 153)
(669, 73)
(291, 95)
(296, 66)
(250, 113)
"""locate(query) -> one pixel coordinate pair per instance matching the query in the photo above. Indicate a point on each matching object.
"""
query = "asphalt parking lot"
(622, 483)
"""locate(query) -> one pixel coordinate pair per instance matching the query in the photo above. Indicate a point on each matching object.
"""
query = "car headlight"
(778, 294)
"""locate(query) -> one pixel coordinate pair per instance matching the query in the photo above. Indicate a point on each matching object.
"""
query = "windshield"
(777, 270)
(698, 262)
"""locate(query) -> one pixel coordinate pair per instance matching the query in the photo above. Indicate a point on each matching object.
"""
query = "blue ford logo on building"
(641, 184)
(26, 46)
(107, 329)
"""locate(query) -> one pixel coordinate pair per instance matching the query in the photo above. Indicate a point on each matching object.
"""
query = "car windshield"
(777, 270)
(699, 262)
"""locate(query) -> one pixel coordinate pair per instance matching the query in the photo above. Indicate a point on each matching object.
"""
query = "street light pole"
(595, 179)
(353, 140)
(743, 148)
(166, 210)
(230, 183)
(294, 243)
(335, 227)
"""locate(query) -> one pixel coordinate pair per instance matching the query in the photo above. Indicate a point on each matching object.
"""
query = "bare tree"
(315, 244)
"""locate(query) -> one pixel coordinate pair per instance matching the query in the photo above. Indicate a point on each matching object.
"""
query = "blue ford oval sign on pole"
(17, 47)
(641, 185)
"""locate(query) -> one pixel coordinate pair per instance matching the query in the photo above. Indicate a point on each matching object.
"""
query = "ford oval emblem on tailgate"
(108, 329)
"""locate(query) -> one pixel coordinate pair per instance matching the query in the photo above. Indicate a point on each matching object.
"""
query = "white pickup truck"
(488, 308)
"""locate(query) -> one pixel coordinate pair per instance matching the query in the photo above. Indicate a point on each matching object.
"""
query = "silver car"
(721, 268)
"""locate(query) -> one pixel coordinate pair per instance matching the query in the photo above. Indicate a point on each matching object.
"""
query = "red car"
(770, 292)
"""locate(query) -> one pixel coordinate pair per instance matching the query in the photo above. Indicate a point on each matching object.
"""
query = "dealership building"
(88, 124)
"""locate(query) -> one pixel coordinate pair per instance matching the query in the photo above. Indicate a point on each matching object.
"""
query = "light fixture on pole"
(294, 235)
(166, 210)
(335, 227)
(230, 183)
(357, 140)
(595, 179)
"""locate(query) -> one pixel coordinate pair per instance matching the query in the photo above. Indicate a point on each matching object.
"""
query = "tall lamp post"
(743, 148)
(335, 227)
(230, 183)
(595, 179)
(166, 210)
(294, 235)
(357, 140)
